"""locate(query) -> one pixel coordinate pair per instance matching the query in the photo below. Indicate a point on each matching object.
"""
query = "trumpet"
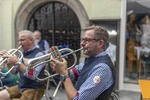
(10, 52)
(34, 62)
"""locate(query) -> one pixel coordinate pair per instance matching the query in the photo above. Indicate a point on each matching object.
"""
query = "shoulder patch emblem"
(96, 79)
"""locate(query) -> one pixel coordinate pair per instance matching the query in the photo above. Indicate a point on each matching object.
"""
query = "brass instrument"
(34, 62)
(3, 60)
(57, 54)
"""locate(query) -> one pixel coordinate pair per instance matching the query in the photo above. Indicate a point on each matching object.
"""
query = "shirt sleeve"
(46, 46)
(30, 73)
(75, 71)
(99, 79)
(111, 51)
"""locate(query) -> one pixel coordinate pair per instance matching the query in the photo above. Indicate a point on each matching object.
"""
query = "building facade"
(61, 23)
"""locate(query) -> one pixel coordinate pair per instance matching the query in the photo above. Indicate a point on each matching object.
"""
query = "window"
(137, 41)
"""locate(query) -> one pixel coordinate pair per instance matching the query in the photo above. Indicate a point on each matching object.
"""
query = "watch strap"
(63, 77)
(17, 64)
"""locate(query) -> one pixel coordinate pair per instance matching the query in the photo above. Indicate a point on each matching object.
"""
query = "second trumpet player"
(28, 87)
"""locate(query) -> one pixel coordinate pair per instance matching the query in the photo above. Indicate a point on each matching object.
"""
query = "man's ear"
(101, 43)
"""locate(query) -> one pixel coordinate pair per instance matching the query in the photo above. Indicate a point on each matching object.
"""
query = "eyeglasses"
(89, 39)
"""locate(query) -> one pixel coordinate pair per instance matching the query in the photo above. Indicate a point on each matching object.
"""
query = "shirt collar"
(100, 54)
(31, 49)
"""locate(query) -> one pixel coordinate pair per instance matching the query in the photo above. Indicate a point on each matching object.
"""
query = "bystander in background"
(42, 44)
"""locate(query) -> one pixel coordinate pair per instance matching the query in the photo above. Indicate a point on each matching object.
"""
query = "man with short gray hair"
(28, 88)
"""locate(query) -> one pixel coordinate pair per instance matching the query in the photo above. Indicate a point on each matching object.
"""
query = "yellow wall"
(102, 9)
(8, 11)
(6, 23)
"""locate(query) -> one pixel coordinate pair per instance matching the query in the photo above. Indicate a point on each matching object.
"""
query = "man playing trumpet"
(95, 76)
(28, 88)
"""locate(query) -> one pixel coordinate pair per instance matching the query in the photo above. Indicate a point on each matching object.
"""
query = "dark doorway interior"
(58, 24)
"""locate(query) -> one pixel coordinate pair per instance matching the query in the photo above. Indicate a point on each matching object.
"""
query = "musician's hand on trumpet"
(59, 66)
(5, 54)
(2, 53)
(11, 60)
(58, 63)
(1, 58)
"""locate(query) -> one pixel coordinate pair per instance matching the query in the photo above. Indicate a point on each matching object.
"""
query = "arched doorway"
(63, 20)
(58, 23)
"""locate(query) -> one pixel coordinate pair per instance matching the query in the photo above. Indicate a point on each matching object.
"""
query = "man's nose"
(82, 43)
(20, 43)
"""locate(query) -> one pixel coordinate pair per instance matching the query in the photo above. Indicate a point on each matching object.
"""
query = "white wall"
(102, 9)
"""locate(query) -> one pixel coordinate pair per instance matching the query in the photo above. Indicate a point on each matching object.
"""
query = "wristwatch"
(63, 77)
(17, 64)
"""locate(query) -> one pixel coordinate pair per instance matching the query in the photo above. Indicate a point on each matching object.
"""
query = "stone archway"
(28, 7)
